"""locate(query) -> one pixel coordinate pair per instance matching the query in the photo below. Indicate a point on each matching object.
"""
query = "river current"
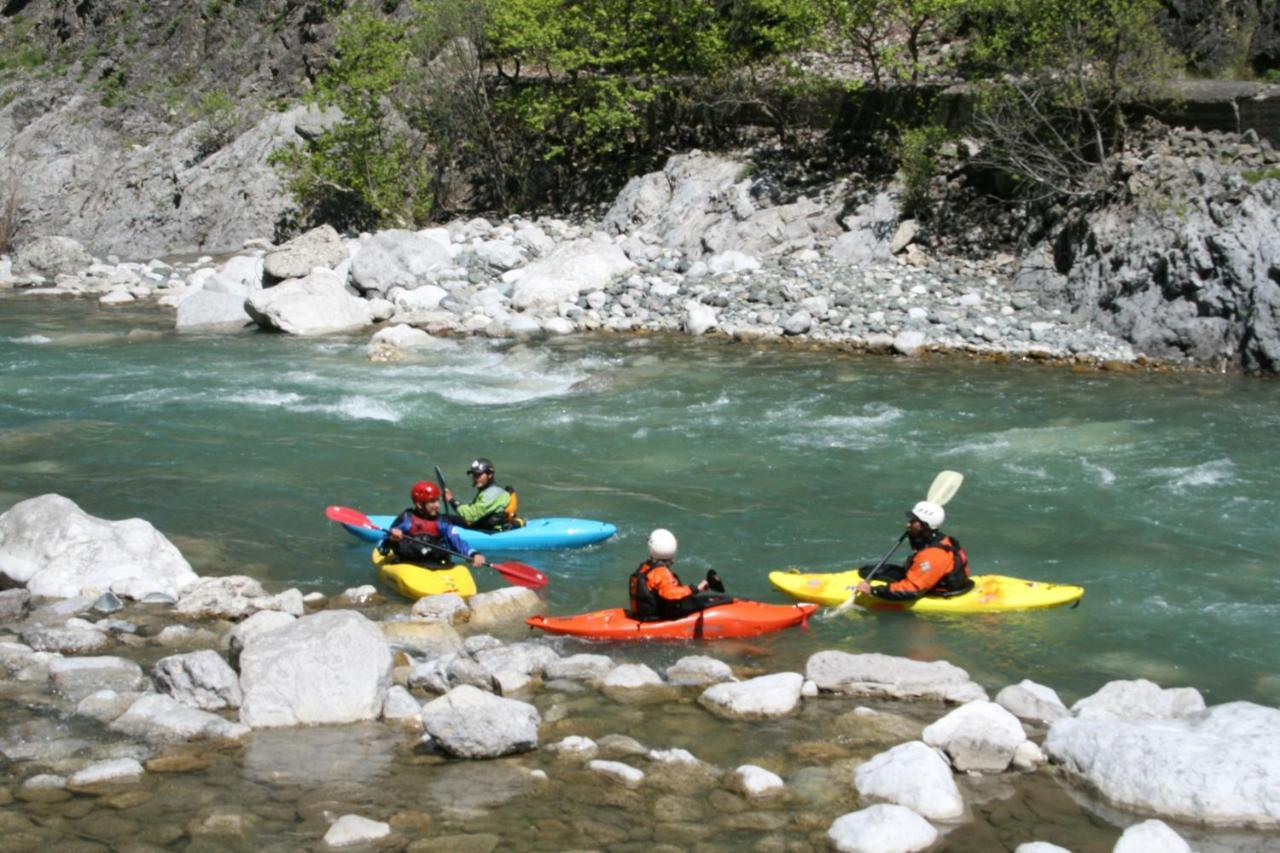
(1158, 493)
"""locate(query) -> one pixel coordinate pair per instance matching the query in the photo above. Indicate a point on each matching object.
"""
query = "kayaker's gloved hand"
(714, 582)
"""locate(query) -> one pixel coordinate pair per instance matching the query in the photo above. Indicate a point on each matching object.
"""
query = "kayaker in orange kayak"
(656, 591)
(939, 565)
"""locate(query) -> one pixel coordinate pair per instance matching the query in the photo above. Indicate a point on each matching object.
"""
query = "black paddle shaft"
(887, 554)
(444, 488)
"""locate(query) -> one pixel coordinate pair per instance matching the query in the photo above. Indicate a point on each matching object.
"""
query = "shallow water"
(1158, 493)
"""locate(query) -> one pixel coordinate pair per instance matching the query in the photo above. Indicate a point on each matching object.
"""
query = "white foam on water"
(31, 339)
(846, 431)
(1037, 473)
(356, 408)
(1063, 439)
(265, 397)
(1105, 475)
(152, 395)
(1212, 473)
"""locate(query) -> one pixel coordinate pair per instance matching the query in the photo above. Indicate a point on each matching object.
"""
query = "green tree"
(1053, 114)
(891, 37)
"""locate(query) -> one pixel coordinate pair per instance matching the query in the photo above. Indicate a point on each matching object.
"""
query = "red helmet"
(424, 491)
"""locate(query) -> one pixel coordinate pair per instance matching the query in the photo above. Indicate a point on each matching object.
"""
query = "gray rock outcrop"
(1186, 261)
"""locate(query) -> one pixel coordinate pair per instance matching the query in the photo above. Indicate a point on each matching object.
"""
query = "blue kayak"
(537, 533)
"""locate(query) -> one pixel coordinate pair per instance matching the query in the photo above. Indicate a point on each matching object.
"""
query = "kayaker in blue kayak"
(656, 591)
(421, 537)
(939, 565)
(493, 507)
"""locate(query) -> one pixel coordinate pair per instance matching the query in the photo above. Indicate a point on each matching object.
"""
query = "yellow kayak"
(990, 593)
(415, 581)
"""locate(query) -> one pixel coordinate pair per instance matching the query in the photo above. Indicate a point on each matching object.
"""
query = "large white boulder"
(877, 675)
(979, 736)
(318, 304)
(583, 265)
(397, 258)
(1139, 700)
(1220, 767)
(582, 667)
(330, 667)
(209, 310)
(470, 723)
(763, 697)
(912, 775)
(54, 548)
(319, 247)
(882, 828)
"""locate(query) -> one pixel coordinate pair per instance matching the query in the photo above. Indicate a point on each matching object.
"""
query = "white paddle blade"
(945, 486)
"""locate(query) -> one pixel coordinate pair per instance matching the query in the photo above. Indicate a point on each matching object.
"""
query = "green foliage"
(581, 91)
(1064, 73)
(597, 85)
(917, 165)
(891, 37)
(371, 169)
(112, 86)
(1253, 176)
(221, 118)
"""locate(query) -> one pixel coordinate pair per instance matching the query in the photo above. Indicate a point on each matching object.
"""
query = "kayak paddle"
(519, 574)
(444, 488)
(943, 489)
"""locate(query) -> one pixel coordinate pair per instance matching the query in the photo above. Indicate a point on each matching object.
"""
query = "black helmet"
(480, 465)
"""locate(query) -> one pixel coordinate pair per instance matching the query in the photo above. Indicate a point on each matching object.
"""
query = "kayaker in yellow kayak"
(939, 565)
(494, 507)
(656, 591)
(421, 537)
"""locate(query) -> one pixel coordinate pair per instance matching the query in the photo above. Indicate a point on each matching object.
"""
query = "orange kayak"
(737, 618)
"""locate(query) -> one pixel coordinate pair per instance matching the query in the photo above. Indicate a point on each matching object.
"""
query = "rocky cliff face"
(1186, 260)
(142, 128)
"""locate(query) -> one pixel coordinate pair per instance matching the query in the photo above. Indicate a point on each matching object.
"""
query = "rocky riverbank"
(693, 249)
(161, 674)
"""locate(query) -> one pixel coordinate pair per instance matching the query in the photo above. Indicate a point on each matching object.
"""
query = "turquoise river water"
(1158, 493)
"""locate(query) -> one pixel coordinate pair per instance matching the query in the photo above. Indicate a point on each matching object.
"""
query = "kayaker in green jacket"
(493, 507)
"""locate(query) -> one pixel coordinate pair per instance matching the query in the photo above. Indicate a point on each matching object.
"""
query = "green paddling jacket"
(487, 508)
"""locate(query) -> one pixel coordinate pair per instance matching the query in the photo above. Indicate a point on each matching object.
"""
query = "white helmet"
(928, 512)
(662, 544)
